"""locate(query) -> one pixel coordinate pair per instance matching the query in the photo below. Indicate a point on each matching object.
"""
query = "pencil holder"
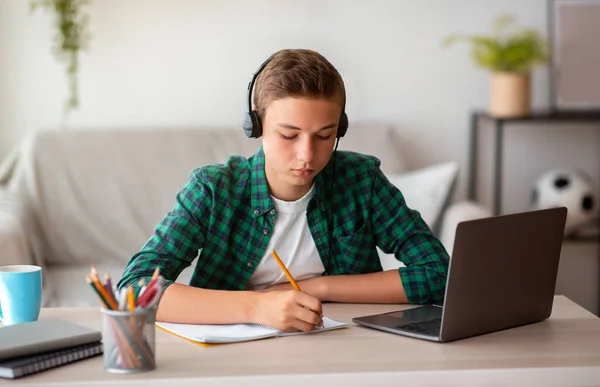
(128, 340)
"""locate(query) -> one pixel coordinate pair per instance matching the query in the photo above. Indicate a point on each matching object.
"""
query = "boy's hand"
(288, 310)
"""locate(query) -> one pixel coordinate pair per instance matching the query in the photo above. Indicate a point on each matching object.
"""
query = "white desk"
(564, 350)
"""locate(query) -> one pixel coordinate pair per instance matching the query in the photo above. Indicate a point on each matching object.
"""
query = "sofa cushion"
(428, 190)
(97, 195)
(376, 140)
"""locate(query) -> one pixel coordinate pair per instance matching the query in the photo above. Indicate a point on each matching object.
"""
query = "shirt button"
(265, 231)
(255, 212)
(250, 264)
(272, 212)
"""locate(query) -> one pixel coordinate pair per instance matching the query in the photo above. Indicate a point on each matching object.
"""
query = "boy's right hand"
(288, 310)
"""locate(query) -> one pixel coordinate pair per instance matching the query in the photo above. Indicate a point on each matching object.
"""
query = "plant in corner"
(509, 53)
(70, 39)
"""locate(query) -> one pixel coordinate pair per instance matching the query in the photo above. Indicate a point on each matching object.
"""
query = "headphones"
(251, 122)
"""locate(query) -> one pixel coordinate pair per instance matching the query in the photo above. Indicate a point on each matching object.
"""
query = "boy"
(322, 211)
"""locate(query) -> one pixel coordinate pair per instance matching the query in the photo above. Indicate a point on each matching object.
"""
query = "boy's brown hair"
(297, 73)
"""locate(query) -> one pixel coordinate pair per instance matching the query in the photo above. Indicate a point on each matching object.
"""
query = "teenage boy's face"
(298, 139)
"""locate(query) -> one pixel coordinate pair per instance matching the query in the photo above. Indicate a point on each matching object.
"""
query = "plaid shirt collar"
(260, 196)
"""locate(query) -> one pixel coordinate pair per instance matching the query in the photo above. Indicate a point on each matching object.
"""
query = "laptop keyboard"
(430, 327)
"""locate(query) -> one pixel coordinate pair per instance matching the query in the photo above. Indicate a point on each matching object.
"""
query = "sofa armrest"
(13, 243)
(456, 213)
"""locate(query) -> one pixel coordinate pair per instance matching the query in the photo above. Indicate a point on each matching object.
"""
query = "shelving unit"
(570, 271)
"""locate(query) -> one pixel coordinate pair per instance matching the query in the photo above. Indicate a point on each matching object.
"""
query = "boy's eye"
(289, 138)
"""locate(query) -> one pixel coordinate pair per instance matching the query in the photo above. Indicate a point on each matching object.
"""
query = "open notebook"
(234, 333)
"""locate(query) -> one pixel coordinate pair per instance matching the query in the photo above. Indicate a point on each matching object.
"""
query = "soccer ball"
(566, 188)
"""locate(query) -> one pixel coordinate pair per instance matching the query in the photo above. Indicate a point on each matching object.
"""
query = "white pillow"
(428, 190)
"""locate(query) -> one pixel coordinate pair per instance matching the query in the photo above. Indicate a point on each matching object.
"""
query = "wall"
(175, 63)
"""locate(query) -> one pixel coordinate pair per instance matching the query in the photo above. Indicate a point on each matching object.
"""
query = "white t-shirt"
(292, 241)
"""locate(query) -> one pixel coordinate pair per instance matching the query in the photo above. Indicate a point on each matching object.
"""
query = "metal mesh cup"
(128, 340)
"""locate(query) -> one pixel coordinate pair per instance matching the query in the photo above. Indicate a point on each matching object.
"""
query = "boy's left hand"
(313, 286)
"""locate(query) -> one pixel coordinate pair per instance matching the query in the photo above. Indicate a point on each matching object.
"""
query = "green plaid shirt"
(226, 212)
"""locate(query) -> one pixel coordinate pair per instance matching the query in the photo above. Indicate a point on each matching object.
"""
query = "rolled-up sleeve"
(176, 240)
(401, 230)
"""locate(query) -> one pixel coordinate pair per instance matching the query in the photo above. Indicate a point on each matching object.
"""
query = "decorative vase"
(510, 94)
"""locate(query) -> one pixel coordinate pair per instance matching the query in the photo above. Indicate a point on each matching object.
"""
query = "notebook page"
(233, 333)
(204, 333)
(328, 324)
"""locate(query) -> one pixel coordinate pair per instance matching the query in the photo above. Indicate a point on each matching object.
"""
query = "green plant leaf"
(70, 39)
(506, 49)
(450, 40)
(501, 23)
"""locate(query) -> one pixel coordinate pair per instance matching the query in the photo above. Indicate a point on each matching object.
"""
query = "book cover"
(43, 336)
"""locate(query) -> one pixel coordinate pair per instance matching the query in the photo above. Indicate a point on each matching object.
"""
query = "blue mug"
(20, 293)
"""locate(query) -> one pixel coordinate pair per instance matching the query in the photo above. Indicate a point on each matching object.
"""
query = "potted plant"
(509, 53)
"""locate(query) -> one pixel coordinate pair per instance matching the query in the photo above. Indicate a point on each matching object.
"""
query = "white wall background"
(156, 63)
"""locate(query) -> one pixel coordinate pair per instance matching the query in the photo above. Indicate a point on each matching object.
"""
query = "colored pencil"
(97, 291)
(109, 287)
(136, 293)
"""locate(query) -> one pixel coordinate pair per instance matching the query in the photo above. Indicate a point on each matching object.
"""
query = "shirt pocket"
(357, 245)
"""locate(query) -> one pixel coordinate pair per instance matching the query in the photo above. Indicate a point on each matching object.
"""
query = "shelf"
(589, 233)
(499, 125)
(582, 239)
(546, 116)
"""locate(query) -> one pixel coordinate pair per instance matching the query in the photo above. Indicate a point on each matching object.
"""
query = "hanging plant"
(70, 39)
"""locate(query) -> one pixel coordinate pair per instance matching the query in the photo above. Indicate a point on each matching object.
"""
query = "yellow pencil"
(285, 271)
(130, 299)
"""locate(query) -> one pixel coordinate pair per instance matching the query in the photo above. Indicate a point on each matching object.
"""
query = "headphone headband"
(251, 123)
(253, 80)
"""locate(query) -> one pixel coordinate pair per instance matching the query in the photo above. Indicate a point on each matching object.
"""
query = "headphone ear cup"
(251, 124)
(342, 125)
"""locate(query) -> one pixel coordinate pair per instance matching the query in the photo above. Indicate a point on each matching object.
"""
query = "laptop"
(502, 274)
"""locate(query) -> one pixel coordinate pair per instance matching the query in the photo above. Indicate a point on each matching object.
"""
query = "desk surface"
(563, 350)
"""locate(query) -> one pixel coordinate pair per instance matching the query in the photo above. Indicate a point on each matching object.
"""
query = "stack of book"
(34, 347)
